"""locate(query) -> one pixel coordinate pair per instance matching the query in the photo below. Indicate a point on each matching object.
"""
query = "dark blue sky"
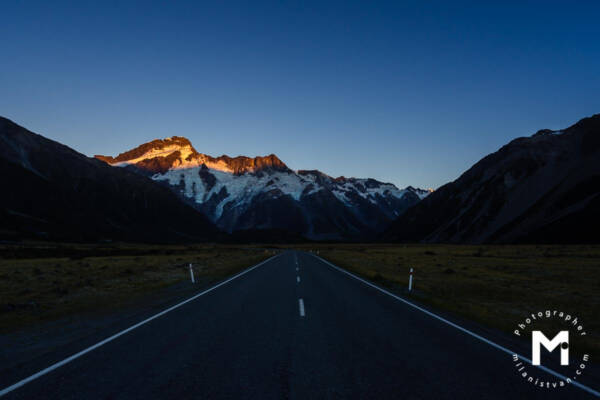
(408, 92)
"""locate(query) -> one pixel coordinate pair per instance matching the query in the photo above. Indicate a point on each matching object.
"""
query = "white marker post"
(410, 280)
(192, 274)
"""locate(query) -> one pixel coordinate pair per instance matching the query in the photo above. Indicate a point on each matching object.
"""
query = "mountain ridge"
(159, 155)
(59, 194)
(233, 192)
(523, 192)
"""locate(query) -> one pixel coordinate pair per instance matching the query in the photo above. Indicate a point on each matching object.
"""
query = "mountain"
(246, 194)
(53, 192)
(539, 189)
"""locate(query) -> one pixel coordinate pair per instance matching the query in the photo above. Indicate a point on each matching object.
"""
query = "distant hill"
(539, 189)
(53, 192)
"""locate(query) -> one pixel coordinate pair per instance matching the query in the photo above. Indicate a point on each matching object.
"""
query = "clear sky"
(407, 92)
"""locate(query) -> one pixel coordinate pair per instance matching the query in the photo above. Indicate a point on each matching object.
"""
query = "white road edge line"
(298, 279)
(497, 346)
(301, 305)
(113, 337)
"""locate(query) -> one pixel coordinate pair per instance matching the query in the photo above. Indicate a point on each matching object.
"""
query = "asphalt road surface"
(293, 327)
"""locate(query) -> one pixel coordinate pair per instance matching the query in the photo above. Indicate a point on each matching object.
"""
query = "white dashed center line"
(298, 279)
(301, 305)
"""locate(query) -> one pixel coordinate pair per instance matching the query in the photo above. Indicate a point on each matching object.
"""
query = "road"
(293, 327)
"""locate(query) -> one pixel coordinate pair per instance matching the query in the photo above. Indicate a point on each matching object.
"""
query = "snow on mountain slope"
(241, 189)
(262, 192)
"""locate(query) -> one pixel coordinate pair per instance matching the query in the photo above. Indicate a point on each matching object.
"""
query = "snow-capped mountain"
(243, 193)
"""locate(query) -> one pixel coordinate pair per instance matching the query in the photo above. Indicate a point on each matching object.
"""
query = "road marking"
(113, 337)
(301, 305)
(297, 269)
(460, 328)
(298, 279)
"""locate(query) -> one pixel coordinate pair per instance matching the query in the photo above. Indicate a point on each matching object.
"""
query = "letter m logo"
(538, 339)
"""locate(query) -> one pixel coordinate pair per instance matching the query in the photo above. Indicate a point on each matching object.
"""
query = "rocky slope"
(243, 193)
(544, 188)
(53, 192)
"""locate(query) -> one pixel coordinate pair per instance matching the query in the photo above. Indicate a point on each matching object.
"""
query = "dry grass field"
(496, 286)
(41, 282)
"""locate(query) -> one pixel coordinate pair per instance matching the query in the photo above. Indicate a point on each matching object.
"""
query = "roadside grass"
(496, 286)
(43, 282)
